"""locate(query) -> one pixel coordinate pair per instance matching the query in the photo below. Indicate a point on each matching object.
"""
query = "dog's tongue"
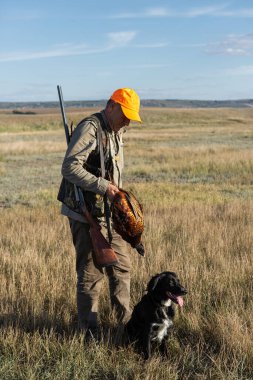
(180, 301)
(177, 299)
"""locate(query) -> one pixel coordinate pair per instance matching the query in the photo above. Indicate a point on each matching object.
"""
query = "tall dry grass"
(198, 226)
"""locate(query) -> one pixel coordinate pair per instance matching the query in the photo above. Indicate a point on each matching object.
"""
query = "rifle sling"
(101, 152)
(102, 164)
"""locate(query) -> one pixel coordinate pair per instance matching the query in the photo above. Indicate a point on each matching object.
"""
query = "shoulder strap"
(92, 118)
(101, 151)
(98, 119)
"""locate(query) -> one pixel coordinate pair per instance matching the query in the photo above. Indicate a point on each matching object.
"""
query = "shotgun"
(104, 255)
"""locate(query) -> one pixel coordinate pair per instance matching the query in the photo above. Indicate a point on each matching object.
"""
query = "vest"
(94, 202)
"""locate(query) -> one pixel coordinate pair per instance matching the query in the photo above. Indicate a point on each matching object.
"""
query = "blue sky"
(163, 49)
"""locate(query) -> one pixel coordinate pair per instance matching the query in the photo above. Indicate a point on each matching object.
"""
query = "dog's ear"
(154, 281)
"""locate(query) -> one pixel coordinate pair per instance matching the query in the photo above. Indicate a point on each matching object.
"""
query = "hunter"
(82, 167)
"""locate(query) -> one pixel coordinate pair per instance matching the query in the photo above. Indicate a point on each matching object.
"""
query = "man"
(82, 167)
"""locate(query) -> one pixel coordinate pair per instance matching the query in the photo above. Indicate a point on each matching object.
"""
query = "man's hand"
(111, 191)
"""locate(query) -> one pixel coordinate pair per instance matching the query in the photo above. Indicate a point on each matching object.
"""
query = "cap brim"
(130, 114)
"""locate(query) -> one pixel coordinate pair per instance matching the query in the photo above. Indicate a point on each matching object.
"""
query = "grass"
(196, 190)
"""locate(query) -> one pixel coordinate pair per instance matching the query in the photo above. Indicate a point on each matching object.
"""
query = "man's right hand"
(111, 191)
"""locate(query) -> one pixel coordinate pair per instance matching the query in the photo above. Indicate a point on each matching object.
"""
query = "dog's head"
(166, 286)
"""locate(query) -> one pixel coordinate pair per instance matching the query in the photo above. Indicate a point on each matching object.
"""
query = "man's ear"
(110, 105)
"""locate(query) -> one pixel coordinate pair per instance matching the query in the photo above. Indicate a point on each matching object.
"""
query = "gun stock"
(104, 255)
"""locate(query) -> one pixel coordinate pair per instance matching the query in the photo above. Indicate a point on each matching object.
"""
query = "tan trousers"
(89, 277)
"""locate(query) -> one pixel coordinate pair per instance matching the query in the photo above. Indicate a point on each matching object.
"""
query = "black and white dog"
(152, 316)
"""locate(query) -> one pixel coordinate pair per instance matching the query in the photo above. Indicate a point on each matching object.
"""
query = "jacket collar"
(106, 123)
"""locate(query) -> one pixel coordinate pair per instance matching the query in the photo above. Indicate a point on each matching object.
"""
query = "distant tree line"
(19, 107)
(18, 112)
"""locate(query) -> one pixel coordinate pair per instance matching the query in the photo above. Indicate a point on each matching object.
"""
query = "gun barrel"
(66, 128)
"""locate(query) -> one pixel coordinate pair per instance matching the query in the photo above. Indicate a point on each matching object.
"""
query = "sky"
(163, 49)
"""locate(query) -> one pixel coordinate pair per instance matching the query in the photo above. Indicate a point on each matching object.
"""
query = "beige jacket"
(84, 143)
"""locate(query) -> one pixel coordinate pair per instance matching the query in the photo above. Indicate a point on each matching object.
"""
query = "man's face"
(116, 117)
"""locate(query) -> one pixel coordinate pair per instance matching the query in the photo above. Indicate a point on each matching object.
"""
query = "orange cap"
(129, 101)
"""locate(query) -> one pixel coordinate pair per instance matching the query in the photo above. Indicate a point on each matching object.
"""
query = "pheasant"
(127, 216)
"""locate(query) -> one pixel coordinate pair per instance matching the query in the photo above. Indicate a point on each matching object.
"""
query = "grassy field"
(193, 172)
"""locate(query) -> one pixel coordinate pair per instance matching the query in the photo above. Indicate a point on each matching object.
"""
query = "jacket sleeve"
(82, 143)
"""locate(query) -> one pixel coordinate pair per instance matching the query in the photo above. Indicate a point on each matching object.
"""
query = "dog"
(152, 317)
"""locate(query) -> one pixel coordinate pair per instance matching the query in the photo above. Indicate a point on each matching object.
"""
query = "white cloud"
(115, 40)
(233, 51)
(156, 12)
(240, 45)
(119, 39)
(214, 11)
(150, 12)
(60, 51)
(152, 46)
(204, 11)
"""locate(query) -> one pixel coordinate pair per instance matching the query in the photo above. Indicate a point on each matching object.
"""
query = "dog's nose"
(183, 291)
